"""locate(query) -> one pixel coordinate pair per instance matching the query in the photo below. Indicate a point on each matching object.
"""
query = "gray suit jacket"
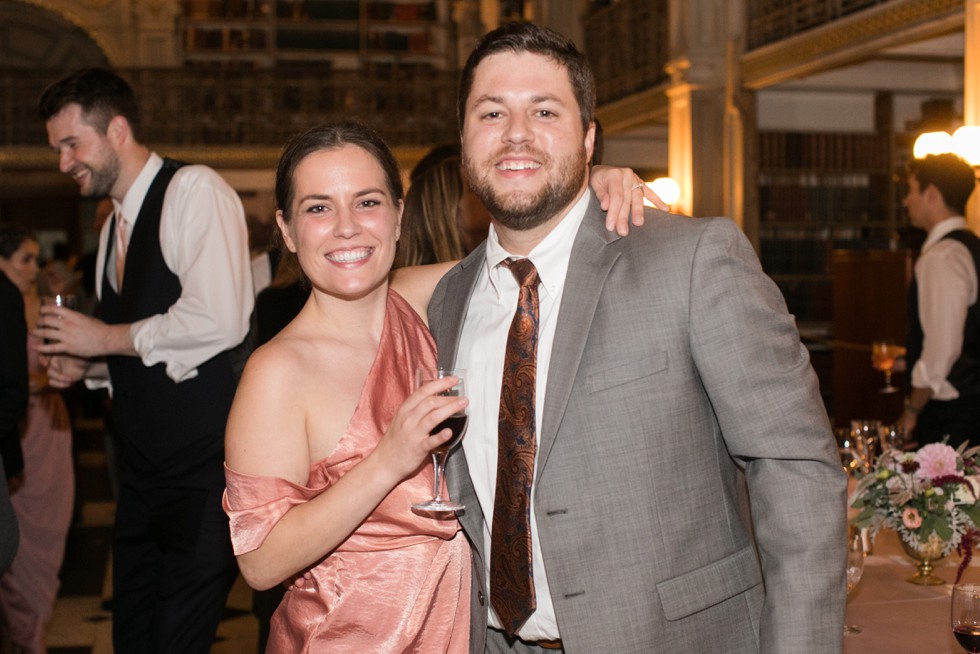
(675, 367)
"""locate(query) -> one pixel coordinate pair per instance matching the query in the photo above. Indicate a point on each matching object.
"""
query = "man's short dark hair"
(528, 37)
(949, 173)
(100, 93)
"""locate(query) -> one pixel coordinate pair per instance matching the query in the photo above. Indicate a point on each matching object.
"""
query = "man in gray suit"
(666, 365)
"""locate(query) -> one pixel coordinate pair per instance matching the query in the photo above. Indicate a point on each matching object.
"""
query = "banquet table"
(897, 617)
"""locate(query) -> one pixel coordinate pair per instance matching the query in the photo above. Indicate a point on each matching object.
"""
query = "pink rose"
(936, 460)
(911, 518)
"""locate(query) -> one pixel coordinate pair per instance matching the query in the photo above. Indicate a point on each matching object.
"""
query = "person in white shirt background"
(175, 293)
(943, 347)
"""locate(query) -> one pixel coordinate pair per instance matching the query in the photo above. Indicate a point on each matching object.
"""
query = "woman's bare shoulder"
(416, 283)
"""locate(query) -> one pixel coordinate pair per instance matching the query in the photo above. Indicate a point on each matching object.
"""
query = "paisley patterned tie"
(511, 575)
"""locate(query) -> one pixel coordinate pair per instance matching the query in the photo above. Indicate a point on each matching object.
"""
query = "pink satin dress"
(44, 506)
(401, 581)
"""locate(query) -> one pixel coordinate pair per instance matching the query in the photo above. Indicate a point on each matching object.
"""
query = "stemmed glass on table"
(855, 568)
(883, 356)
(455, 422)
(965, 616)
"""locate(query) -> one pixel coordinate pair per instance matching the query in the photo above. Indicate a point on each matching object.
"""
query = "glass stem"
(437, 463)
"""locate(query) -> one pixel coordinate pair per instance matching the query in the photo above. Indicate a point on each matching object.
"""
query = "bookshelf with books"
(342, 34)
(819, 192)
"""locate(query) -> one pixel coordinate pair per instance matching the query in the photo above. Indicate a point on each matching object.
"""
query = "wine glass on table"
(965, 616)
(855, 568)
(883, 356)
(455, 422)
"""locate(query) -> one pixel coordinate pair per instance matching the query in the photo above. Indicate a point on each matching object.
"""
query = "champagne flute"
(855, 568)
(455, 422)
(965, 616)
(66, 300)
(883, 356)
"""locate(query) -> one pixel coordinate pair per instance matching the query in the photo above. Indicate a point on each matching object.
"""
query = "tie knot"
(524, 271)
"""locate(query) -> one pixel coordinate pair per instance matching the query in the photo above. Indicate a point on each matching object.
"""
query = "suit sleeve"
(765, 394)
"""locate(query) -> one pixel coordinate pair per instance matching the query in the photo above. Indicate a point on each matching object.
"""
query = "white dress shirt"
(481, 353)
(204, 242)
(947, 284)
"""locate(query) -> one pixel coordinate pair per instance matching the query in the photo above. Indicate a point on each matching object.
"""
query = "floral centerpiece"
(931, 497)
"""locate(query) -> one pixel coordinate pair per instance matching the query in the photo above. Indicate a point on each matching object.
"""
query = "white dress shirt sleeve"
(947, 285)
(205, 243)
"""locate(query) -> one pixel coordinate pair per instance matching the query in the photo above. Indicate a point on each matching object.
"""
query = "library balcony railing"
(770, 21)
(255, 108)
(627, 44)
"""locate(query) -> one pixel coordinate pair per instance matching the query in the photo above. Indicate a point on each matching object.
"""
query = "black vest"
(965, 373)
(164, 425)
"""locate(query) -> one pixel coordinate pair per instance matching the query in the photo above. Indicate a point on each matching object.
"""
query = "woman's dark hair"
(100, 93)
(528, 37)
(12, 236)
(332, 136)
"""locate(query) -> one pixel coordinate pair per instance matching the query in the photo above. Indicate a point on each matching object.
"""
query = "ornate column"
(971, 92)
(157, 44)
(707, 118)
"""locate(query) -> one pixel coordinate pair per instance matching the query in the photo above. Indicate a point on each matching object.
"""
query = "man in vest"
(175, 294)
(944, 317)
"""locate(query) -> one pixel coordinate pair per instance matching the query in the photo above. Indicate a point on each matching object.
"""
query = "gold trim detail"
(850, 38)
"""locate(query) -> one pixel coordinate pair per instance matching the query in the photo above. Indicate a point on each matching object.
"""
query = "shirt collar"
(942, 228)
(550, 257)
(133, 200)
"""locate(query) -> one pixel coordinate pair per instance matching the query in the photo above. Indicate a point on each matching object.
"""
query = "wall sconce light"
(666, 188)
(964, 142)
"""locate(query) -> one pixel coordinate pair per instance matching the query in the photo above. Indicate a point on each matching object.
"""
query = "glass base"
(851, 630)
(438, 506)
(890, 389)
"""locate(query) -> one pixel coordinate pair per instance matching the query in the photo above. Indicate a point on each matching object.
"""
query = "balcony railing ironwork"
(627, 45)
(774, 20)
(255, 108)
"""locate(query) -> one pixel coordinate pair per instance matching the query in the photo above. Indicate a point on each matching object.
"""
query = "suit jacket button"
(479, 595)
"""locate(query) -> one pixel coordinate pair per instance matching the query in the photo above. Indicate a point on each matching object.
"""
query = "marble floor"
(82, 621)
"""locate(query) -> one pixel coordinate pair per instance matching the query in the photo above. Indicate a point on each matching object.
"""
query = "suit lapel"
(588, 268)
(447, 325)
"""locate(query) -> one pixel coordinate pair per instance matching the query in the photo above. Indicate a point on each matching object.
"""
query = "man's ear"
(590, 141)
(285, 232)
(118, 129)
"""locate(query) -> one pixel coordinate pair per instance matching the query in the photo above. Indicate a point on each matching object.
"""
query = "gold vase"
(926, 554)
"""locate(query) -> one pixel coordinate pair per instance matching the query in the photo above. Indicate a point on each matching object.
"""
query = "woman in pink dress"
(44, 500)
(327, 443)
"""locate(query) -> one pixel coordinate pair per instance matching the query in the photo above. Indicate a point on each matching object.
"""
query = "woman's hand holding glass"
(409, 442)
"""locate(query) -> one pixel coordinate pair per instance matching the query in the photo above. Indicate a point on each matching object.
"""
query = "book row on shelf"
(405, 11)
(823, 151)
(835, 204)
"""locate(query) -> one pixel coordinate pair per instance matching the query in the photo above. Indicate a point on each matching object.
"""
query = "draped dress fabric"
(44, 505)
(401, 581)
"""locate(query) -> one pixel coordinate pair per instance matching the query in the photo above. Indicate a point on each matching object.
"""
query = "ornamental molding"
(42, 159)
(649, 106)
(112, 52)
(851, 39)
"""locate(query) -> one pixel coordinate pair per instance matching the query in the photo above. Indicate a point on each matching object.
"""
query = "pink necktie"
(120, 250)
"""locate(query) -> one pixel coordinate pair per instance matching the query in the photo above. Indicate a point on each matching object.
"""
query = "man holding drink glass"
(175, 294)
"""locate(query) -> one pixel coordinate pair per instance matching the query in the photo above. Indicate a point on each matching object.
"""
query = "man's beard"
(102, 179)
(521, 210)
